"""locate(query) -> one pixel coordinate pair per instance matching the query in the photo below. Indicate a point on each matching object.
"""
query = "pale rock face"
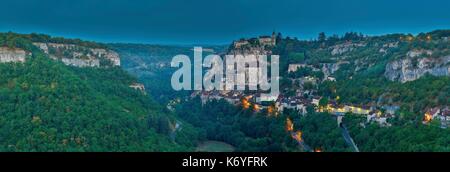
(257, 50)
(404, 70)
(387, 46)
(138, 86)
(78, 55)
(250, 51)
(330, 68)
(417, 53)
(295, 67)
(108, 54)
(346, 47)
(42, 46)
(390, 45)
(12, 55)
(81, 62)
(333, 67)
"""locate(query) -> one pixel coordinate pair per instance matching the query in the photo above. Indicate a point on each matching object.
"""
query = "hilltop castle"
(261, 41)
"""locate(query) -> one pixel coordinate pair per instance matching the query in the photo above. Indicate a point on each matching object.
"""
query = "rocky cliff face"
(80, 56)
(330, 68)
(254, 50)
(410, 69)
(344, 48)
(12, 55)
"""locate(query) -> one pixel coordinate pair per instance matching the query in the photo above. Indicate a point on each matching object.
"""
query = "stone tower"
(274, 38)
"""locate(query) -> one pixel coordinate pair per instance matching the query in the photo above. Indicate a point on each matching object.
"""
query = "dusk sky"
(218, 21)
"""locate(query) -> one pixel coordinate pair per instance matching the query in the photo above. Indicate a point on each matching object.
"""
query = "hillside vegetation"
(48, 106)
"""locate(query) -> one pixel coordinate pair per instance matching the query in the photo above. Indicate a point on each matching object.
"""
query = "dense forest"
(401, 137)
(47, 106)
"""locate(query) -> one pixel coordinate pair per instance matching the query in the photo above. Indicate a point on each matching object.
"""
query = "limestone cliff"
(345, 47)
(12, 55)
(410, 69)
(80, 56)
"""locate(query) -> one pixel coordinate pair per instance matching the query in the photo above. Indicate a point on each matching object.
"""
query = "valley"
(338, 94)
(353, 77)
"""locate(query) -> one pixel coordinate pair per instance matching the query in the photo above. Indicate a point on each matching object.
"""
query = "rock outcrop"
(80, 56)
(330, 68)
(81, 62)
(344, 48)
(255, 50)
(418, 53)
(12, 55)
(138, 86)
(410, 69)
(387, 46)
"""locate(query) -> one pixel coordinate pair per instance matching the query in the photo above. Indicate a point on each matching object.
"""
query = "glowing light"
(245, 103)
(359, 109)
(270, 109)
(321, 109)
(256, 108)
(428, 117)
(289, 125)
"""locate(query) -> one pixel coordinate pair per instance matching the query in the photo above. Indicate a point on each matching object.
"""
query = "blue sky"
(218, 21)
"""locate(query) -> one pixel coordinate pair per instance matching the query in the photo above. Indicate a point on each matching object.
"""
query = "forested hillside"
(364, 72)
(369, 70)
(410, 72)
(48, 106)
